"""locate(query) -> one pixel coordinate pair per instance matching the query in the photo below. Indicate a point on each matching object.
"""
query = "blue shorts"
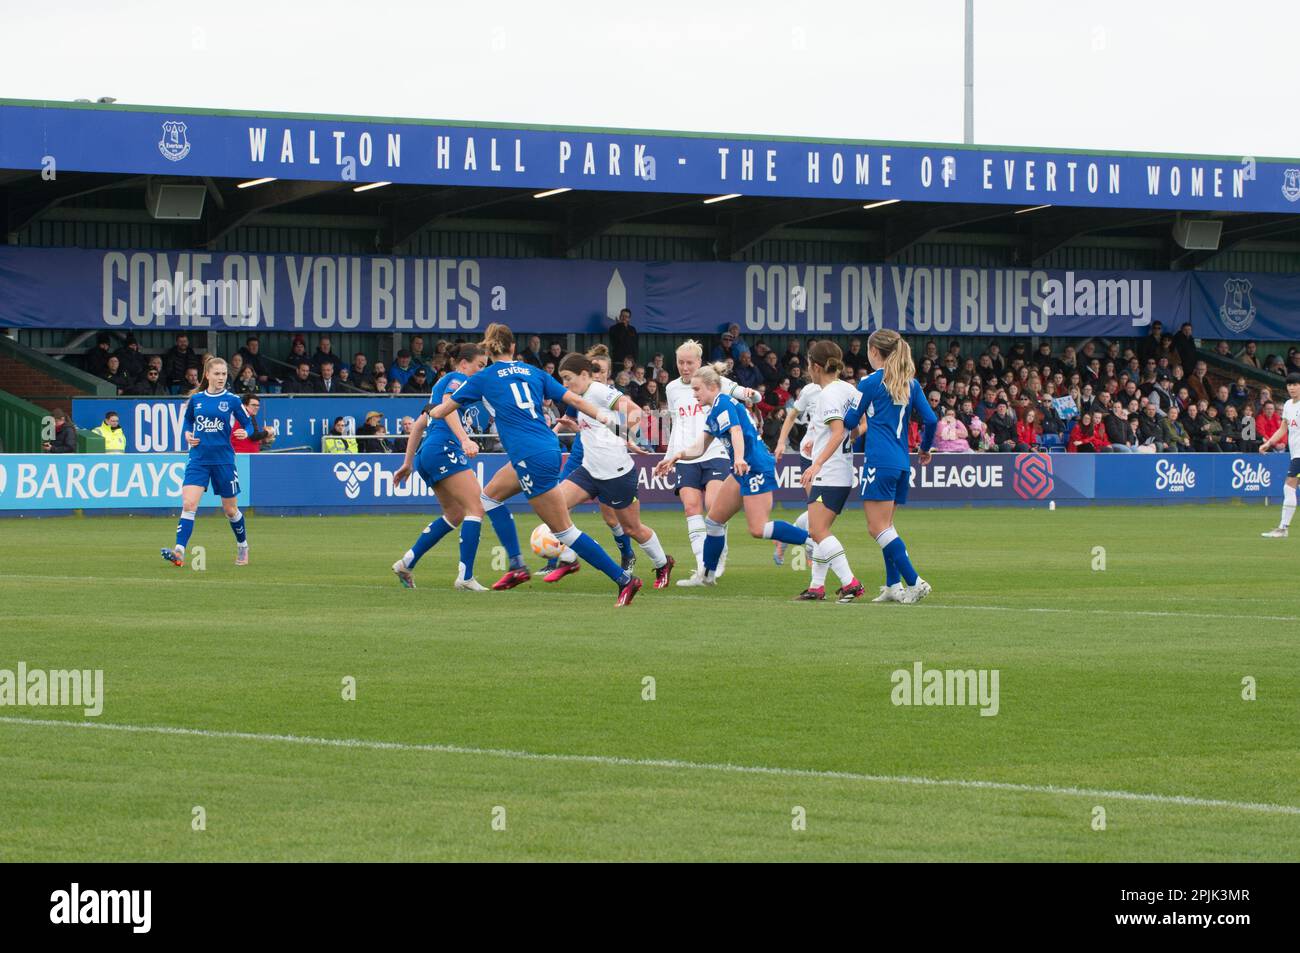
(223, 477)
(571, 462)
(831, 497)
(618, 493)
(539, 473)
(881, 484)
(696, 476)
(756, 481)
(1294, 469)
(436, 467)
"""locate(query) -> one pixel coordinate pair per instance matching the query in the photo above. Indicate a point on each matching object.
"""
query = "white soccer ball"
(544, 542)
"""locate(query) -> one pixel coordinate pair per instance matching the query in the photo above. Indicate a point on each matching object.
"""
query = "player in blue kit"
(208, 431)
(887, 398)
(752, 479)
(442, 461)
(514, 393)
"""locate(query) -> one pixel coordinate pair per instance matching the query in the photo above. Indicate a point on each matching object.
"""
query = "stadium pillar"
(969, 112)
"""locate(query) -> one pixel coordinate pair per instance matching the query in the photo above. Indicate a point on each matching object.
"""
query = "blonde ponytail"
(899, 370)
(710, 374)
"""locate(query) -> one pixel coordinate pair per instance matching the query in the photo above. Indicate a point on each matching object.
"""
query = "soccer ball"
(544, 542)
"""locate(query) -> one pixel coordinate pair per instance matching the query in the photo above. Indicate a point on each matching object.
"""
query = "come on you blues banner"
(188, 142)
(127, 290)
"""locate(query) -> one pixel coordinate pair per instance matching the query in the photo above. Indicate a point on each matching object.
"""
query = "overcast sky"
(1149, 75)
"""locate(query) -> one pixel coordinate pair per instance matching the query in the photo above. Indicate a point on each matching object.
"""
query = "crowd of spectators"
(1148, 395)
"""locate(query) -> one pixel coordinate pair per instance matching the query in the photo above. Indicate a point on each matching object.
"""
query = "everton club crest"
(1238, 310)
(1291, 184)
(174, 144)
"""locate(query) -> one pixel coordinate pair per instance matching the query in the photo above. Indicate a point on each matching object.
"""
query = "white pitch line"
(439, 586)
(669, 763)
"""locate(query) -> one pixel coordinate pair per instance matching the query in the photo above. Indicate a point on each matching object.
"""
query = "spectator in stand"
(532, 354)
(327, 383)
(854, 358)
(1174, 433)
(247, 383)
(191, 382)
(1234, 438)
(404, 426)
(792, 353)
(663, 379)
(377, 431)
(1211, 430)
(1247, 355)
(251, 353)
(297, 352)
(1223, 349)
(1239, 394)
(1184, 345)
(549, 367)
(1161, 394)
(726, 349)
(1222, 398)
(622, 338)
(234, 367)
(951, 436)
(179, 359)
(1087, 436)
(771, 369)
(130, 360)
(113, 374)
(1115, 423)
(1275, 365)
(395, 387)
(797, 380)
(379, 384)
(1199, 381)
(339, 440)
(345, 377)
(651, 396)
(65, 434)
(324, 355)
(402, 370)
(1149, 428)
(1267, 421)
(1002, 425)
(987, 405)
(111, 431)
(150, 386)
(775, 399)
(747, 375)
(256, 436)
(418, 358)
(1029, 431)
(301, 382)
(95, 361)
(358, 370)
(419, 382)
(555, 354)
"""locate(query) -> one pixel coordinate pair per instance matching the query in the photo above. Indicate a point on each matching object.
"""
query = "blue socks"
(184, 529)
(623, 540)
(503, 522)
(715, 540)
(589, 550)
(897, 562)
(237, 527)
(785, 532)
(428, 539)
(470, 529)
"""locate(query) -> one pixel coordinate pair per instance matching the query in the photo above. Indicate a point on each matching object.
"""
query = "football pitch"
(1147, 701)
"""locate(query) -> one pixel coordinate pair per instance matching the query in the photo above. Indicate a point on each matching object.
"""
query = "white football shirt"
(832, 403)
(1291, 417)
(604, 453)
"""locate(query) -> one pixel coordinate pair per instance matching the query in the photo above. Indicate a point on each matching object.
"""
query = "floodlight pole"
(969, 114)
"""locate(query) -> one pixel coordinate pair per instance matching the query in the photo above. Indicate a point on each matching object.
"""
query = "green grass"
(1132, 683)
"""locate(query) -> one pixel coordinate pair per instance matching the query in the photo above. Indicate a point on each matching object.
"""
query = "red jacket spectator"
(1028, 433)
(1094, 436)
(773, 400)
(1266, 426)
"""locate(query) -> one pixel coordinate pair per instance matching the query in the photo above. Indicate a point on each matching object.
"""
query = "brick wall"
(36, 386)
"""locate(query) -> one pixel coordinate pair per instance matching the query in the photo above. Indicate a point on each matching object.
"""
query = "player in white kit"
(1289, 433)
(830, 477)
(699, 480)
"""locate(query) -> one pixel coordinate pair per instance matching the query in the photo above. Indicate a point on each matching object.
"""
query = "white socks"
(1288, 505)
(829, 554)
(695, 532)
(654, 550)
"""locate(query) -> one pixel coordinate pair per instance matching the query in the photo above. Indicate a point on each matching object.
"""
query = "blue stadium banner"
(458, 297)
(188, 142)
(156, 424)
(1190, 476)
(30, 482)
